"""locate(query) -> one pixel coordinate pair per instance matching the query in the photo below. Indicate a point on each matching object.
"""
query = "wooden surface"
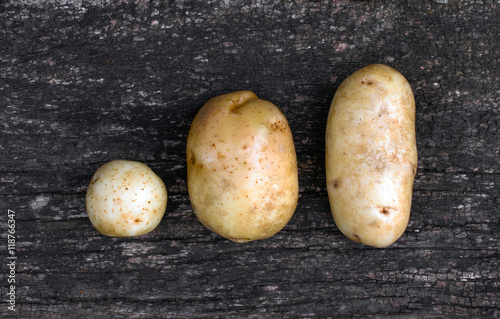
(85, 83)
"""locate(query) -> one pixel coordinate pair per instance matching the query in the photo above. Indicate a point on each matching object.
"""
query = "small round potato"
(371, 155)
(242, 167)
(125, 198)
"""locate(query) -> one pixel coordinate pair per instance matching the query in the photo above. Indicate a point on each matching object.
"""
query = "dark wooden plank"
(85, 83)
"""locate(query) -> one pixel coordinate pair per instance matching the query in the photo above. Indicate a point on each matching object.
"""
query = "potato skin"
(242, 167)
(371, 155)
(125, 199)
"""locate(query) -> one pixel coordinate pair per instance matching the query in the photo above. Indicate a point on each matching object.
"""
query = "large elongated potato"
(371, 155)
(242, 167)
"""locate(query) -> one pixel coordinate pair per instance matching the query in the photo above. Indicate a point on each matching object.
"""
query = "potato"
(125, 198)
(242, 167)
(371, 155)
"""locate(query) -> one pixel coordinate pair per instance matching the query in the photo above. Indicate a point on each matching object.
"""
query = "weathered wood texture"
(82, 83)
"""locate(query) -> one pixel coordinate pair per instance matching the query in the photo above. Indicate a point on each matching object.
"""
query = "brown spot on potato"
(278, 126)
(335, 183)
(220, 156)
(386, 210)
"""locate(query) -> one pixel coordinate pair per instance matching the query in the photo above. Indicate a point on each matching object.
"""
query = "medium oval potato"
(125, 198)
(242, 167)
(371, 155)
